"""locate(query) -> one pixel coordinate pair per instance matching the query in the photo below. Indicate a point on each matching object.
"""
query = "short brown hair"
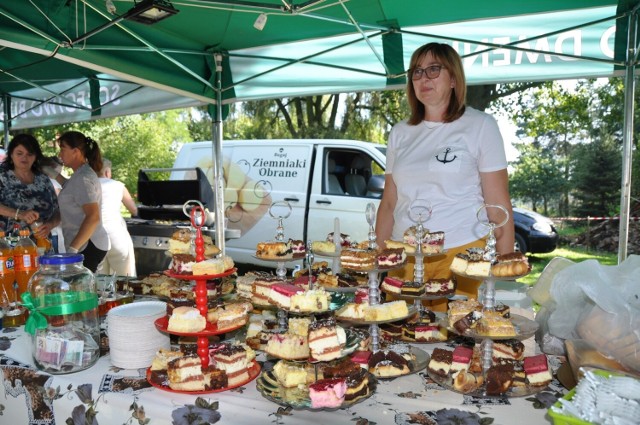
(450, 59)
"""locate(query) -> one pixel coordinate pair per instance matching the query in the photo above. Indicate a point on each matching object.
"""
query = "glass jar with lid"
(63, 314)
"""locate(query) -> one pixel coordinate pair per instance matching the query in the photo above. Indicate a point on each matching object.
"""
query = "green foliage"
(596, 178)
(537, 177)
(131, 142)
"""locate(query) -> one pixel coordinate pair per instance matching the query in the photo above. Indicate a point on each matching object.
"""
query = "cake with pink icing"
(327, 393)
(536, 369)
(281, 294)
(461, 358)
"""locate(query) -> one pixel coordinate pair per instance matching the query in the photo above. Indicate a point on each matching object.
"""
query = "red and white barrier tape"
(593, 218)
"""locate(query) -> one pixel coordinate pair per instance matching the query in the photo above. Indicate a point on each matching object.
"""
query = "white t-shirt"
(441, 163)
(82, 188)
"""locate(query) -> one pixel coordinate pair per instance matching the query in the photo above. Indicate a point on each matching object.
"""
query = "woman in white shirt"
(450, 155)
(121, 258)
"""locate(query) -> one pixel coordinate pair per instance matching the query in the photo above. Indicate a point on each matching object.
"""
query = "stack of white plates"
(133, 336)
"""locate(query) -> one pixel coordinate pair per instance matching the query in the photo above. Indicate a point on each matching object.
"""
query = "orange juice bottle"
(43, 243)
(7, 273)
(25, 255)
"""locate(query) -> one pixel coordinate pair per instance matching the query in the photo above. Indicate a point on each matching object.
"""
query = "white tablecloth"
(119, 396)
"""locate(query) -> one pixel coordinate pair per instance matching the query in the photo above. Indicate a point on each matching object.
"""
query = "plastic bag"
(600, 304)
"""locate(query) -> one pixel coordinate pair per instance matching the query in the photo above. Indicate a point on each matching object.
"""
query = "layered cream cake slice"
(461, 358)
(392, 284)
(536, 369)
(233, 360)
(326, 339)
(440, 362)
(281, 294)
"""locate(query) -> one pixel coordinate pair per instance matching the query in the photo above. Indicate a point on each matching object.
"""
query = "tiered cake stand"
(525, 328)
(201, 300)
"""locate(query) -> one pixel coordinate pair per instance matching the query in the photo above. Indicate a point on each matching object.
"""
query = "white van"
(320, 179)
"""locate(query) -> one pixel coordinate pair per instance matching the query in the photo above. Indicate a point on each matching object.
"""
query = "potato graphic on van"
(245, 199)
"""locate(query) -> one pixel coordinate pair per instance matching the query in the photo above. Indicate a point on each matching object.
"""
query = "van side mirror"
(375, 186)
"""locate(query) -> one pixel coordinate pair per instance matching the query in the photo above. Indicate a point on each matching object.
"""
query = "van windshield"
(382, 149)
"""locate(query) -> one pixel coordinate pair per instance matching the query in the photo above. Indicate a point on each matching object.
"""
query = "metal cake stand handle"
(489, 296)
(280, 217)
(420, 211)
(370, 214)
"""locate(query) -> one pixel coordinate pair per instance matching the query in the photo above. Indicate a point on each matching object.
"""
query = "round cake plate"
(204, 276)
(351, 344)
(440, 316)
(424, 254)
(525, 329)
(418, 297)
(412, 310)
(477, 277)
(298, 398)
(376, 270)
(343, 289)
(336, 301)
(212, 329)
(415, 366)
(333, 254)
(521, 391)
(254, 371)
(279, 260)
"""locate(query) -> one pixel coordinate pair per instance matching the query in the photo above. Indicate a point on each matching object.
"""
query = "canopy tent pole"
(630, 87)
(6, 103)
(217, 158)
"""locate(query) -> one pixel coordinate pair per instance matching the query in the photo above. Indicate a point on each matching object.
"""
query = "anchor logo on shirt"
(446, 155)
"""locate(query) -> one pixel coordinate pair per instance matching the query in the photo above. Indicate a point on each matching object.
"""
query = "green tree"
(596, 178)
(537, 179)
(131, 143)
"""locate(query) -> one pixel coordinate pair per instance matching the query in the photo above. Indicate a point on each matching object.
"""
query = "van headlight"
(542, 227)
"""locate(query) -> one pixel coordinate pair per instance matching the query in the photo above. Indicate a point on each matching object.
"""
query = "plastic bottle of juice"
(25, 255)
(43, 243)
(7, 273)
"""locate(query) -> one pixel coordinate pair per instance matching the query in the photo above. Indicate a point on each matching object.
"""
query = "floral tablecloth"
(108, 395)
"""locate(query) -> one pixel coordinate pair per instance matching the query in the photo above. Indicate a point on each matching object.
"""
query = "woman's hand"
(28, 216)
(42, 230)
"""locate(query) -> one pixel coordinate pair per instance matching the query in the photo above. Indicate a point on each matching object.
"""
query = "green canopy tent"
(219, 52)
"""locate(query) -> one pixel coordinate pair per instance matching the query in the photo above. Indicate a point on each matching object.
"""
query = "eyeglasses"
(431, 72)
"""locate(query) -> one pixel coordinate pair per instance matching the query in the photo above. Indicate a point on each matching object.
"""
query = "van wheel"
(521, 244)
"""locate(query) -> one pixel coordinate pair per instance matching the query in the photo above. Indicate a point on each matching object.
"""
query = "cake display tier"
(344, 289)
(525, 328)
(406, 338)
(353, 340)
(411, 309)
(253, 371)
(280, 260)
(418, 364)
(211, 329)
(377, 269)
(480, 391)
(508, 278)
(298, 398)
(334, 254)
(425, 254)
(336, 301)
(227, 272)
(425, 297)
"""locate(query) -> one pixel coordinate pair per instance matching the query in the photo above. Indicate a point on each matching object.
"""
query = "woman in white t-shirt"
(121, 258)
(450, 155)
(80, 199)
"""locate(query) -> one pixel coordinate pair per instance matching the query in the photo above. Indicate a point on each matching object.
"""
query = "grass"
(539, 261)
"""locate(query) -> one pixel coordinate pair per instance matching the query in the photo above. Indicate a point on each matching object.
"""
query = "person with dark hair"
(81, 197)
(450, 155)
(26, 193)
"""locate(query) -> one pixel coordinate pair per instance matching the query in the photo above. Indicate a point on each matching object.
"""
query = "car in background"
(535, 233)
